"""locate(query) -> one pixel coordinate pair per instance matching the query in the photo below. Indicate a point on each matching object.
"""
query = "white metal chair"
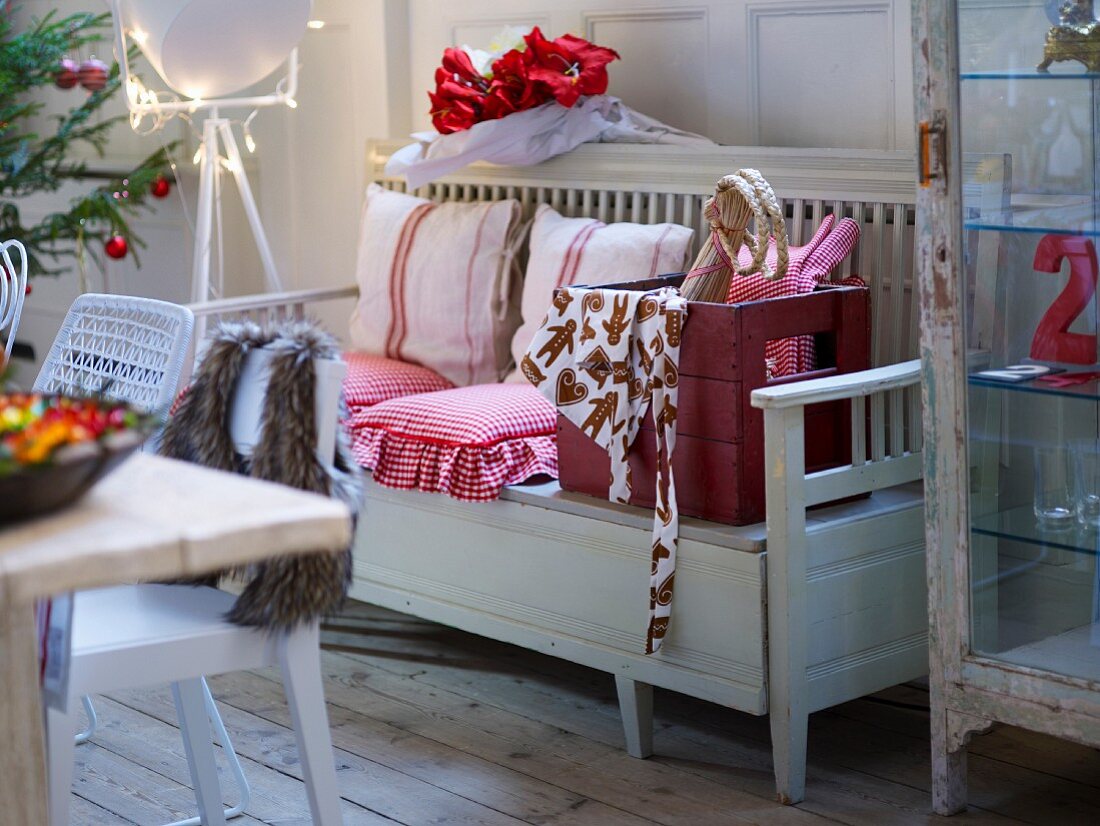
(13, 291)
(134, 350)
(133, 636)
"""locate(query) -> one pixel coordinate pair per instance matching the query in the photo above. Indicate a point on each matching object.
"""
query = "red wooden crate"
(719, 458)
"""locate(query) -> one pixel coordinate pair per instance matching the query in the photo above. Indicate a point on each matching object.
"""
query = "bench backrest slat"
(653, 184)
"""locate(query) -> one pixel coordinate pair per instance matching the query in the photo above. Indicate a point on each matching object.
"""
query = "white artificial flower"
(508, 38)
(481, 59)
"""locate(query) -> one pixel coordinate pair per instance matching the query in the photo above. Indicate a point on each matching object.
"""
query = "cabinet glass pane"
(1032, 221)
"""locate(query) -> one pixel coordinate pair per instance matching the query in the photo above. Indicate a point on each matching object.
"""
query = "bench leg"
(789, 732)
(784, 445)
(636, 708)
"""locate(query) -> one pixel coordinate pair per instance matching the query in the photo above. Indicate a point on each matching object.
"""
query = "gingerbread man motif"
(603, 413)
(618, 323)
(673, 328)
(561, 340)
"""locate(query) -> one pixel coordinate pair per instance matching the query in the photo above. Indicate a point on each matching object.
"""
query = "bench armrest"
(831, 388)
(271, 301)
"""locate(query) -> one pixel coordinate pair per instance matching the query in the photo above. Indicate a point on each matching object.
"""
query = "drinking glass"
(1055, 507)
(1086, 465)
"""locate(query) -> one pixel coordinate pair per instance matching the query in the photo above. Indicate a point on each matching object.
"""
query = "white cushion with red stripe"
(372, 380)
(809, 266)
(468, 442)
(566, 251)
(433, 283)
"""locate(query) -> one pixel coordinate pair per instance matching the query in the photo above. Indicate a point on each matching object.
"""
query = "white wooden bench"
(806, 611)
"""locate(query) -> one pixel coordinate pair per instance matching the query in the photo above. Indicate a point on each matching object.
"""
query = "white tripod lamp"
(206, 51)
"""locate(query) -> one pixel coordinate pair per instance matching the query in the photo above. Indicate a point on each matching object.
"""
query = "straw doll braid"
(768, 217)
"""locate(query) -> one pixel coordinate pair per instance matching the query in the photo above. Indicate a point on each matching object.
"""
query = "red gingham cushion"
(374, 379)
(468, 442)
(809, 266)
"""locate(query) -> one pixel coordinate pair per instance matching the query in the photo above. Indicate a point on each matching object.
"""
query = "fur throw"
(286, 590)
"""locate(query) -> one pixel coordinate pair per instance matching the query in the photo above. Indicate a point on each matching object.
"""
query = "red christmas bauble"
(93, 74)
(160, 187)
(116, 247)
(67, 75)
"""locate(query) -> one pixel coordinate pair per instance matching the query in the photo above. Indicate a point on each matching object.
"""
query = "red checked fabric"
(810, 265)
(372, 380)
(468, 442)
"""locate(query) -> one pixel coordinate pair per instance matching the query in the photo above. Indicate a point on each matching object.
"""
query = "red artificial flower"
(512, 84)
(453, 114)
(456, 66)
(568, 66)
(561, 69)
(457, 102)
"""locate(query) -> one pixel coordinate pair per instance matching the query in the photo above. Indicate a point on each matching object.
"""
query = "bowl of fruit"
(54, 448)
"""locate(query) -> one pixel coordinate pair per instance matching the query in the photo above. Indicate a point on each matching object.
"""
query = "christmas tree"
(30, 162)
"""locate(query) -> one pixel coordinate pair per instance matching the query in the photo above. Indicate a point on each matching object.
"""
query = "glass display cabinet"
(1011, 369)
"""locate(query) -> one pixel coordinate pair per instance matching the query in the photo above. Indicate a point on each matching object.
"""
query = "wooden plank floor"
(434, 726)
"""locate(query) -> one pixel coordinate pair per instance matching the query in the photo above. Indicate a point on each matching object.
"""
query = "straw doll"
(739, 197)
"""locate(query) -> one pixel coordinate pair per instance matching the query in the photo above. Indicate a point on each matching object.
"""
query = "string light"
(249, 143)
(291, 103)
(198, 154)
(316, 24)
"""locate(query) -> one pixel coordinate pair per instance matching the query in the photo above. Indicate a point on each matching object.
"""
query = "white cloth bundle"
(530, 137)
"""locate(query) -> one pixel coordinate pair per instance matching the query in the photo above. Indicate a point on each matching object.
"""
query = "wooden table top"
(157, 518)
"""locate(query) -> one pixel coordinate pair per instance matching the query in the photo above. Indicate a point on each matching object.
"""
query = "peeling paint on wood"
(967, 692)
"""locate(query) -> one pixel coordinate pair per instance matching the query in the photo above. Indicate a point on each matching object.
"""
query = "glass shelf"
(1029, 74)
(1075, 652)
(1000, 226)
(1089, 391)
(1019, 524)
(1069, 216)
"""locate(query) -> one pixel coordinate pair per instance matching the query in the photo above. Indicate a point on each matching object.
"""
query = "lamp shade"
(213, 48)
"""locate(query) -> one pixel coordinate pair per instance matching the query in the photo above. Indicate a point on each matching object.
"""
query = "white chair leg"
(636, 708)
(59, 749)
(300, 659)
(197, 742)
(222, 736)
(93, 721)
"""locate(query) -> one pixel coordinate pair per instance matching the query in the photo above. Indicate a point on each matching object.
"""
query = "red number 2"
(1053, 341)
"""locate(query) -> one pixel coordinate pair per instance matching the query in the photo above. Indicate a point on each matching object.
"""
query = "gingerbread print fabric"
(602, 357)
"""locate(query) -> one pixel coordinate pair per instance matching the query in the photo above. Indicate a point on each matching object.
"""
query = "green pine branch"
(33, 163)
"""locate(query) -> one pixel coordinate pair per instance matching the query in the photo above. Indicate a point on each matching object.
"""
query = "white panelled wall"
(811, 73)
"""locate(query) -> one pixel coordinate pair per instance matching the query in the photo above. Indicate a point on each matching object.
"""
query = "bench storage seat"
(811, 607)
